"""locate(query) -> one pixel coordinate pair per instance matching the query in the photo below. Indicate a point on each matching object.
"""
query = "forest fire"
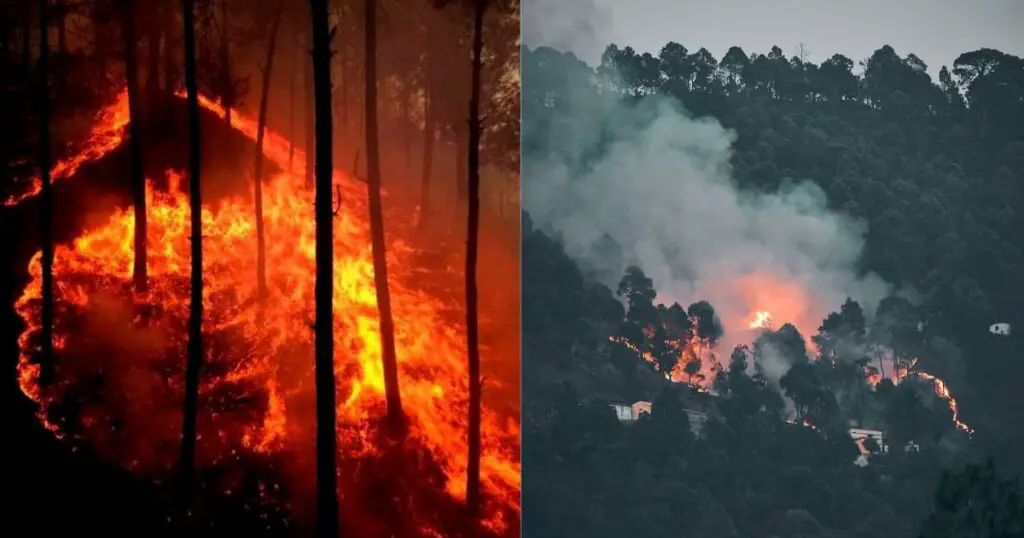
(762, 320)
(763, 298)
(105, 135)
(120, 357)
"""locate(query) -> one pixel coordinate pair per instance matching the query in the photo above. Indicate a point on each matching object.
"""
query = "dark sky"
(936, 30)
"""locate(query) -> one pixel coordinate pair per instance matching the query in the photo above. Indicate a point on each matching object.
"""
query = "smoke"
(576, 25)
(659, 183)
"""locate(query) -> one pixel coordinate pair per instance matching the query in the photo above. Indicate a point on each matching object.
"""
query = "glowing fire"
(762, 320)
(105, 135)
(120, 357)
(764, 293)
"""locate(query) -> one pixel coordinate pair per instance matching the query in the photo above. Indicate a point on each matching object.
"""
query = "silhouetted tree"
(46, 196)
(472, 238)
(327, 522)
(268, 67)
(393, 394)
(138, 179)
(195, 321)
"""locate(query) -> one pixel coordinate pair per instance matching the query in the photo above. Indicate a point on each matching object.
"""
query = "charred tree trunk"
(429, 135)
(46, 212)
(225, 63)
(310, 121)
(393, 395)
(195, 320)
(472, 233)
(327, 524)
(261, 249)
(138, 178)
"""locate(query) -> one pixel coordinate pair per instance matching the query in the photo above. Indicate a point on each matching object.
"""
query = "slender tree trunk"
(309, 116)
(393, 395)
(225, 63)
(261, 249)
(195, 335)
(327, 515)
(46, 212)
(138, 178)
(472, 232)
(429, 135)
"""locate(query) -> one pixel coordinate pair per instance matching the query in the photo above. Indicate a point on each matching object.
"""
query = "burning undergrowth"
(118, 371)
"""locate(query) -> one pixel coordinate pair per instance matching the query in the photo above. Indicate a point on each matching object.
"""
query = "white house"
(1002, 329)
(860, 437)
(631, 413)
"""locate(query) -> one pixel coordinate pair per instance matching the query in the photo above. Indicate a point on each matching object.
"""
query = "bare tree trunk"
(261, 249)
(429, 135)
(168, 67)
(195, 335)
(225, 63)
(310, 120)
(46, 212)
(472, 233)
(327, 515)
(393, 395)
(138, 178)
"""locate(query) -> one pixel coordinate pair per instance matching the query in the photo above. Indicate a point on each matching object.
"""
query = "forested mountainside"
(920, 188)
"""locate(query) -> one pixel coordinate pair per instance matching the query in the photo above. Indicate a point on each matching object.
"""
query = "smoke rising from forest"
(658, 182)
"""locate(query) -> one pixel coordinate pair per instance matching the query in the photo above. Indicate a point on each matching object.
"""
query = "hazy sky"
(936, 30)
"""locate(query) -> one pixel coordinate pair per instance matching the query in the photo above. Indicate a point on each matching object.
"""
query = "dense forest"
(928, 176)
(240, 290)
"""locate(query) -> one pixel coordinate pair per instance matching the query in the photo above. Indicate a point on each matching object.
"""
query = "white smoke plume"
(576, 25)
(659, 182)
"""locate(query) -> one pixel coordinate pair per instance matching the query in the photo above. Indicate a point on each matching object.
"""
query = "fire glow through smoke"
(791, 299)
(126, 353)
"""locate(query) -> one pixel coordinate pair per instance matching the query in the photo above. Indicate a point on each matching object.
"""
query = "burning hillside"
(696, 358)
(119, 364)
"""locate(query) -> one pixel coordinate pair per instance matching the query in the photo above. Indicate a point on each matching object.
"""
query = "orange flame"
(269, 355)
(762, 320)
(106, 134)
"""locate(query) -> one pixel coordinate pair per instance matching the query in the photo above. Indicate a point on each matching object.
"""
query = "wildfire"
(105, 135)
(762, 320)
(121, 357)
(942, 391)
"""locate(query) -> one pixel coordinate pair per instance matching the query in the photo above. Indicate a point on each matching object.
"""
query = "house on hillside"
(631, 413)
(860, 437)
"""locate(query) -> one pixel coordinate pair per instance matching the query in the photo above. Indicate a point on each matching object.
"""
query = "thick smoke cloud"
(576, 25)
(659, 183)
